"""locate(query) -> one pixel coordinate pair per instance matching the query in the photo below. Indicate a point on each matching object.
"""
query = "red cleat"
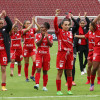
(88, 82)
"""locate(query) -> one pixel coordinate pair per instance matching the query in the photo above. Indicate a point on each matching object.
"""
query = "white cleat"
(85, 70)
(82, 73)
(45, 89)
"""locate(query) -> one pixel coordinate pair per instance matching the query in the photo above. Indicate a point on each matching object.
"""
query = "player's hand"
(46, 34)
(15, 19)
(57, 11)
(85, 14)
(79, 15)
(3, 12)
(33, 19)
(43, 34)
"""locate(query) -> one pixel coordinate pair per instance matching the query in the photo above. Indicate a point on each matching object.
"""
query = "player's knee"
(38, 70)
(45, 72)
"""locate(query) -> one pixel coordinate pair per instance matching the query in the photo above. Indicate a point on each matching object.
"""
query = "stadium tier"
(25, 9)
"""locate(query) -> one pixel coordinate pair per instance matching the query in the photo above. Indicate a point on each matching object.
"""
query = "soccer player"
(44, 41)
(29, 49)
(4, 46)
(90, 36)
(82, 43)
(96, 53)
(16, 47)
(65, 51)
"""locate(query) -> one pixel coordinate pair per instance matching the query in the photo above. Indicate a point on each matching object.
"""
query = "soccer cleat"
(19, 74)
(82, 73)
(66, 84)
(59, 93)
(69, 93)
(88, 82)
(27, 80)
(4, 88)
(45, 89)
(11, 75)
(32, 77)
(36, 86)
(91, 87)
(98, 82)
(73, 83)
(85, 70)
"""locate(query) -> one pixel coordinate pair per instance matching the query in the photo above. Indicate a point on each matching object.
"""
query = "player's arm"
(38, 26)
(8, 21)
(16, 19)
(49, 42)
(96, 19)
(38, 43)
(78, 19)
(27, 29)
(55, 20)
(80, 36)
(76, 24)
(87, 20)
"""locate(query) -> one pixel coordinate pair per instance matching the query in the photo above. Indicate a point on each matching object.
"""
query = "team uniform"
(29, 48)
(65, 53)
(16, 47)
(96, 53)
(3, 55)
(43, 54)
(90, 36)
(43, 58)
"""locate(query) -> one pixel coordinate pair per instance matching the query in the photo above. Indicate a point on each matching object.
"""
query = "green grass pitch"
(17, 87)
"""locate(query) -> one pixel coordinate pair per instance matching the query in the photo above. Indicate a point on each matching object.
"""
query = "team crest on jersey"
(43, 43)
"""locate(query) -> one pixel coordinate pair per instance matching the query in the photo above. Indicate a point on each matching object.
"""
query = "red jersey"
(97, 36)
(16, 40)
(2, 46)
(81, 41)
(44, 47)
(90, 36)
(65, 38)
(29, 38)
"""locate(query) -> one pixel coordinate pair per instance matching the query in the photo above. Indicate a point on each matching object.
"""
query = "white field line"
(50, 97)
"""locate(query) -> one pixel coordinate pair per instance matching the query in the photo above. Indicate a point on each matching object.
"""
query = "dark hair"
(65, 19)
(82, 20)
(47, 25)
(93, 25)
(16, 26)
(25, 23)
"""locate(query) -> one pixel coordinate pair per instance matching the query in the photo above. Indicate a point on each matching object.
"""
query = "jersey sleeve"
(87, 35)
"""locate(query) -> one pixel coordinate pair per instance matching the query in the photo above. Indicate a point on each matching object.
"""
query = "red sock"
(37, 78)
(45, 80)
(19, 69)
(33, 69)
(69, 81)
(26, 70)
(88, 77)
(3, 84)
(92, 79)
(58, 84)
(98, 78)
(11, 65)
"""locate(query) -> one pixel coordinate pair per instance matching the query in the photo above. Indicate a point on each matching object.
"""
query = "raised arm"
(55, 20)
(78, 19)
(38, 26)
(8, 21)
(96, 19)
(87, 20)
(16, 19)
(80, 36)
(27, 29)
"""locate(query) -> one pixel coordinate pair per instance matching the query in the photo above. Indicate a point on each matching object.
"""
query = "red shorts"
(43, 60)
(3, 57)
(90, 56)
(27, 52)
(96, 54)
(64, 60)
(16, 54)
